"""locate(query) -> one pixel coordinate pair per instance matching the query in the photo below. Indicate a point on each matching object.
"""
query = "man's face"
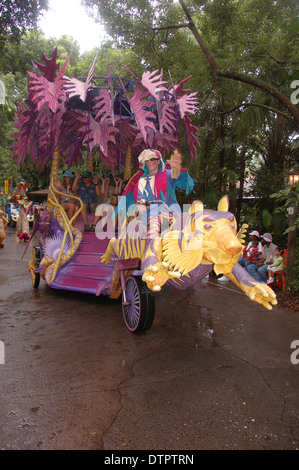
(152, 165)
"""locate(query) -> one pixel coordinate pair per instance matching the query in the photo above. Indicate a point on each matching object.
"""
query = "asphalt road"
(213, 372)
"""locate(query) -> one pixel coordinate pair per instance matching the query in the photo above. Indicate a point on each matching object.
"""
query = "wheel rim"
(131, 311)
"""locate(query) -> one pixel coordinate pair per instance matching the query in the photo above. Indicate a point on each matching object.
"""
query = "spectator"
(24, 204)
(252, 236)
(253, 252)
(276, 266)
(259, 270)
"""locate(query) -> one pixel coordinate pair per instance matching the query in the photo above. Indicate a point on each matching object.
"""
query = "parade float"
(66, 121)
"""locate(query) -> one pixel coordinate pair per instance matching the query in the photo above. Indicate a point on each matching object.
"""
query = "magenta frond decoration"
(121, 112)
(153, 82)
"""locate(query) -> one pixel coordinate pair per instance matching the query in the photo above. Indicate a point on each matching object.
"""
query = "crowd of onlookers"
(261, 258)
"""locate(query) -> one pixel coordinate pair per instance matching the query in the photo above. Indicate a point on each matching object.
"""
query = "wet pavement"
(213, 372)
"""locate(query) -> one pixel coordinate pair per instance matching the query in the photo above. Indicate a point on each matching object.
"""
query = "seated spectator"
(253, 252)
(259, 269)
(88, 190)
(252, 236)
(276, 266)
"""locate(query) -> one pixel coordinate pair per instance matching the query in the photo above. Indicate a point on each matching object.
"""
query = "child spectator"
(277, 265)
(253, 251)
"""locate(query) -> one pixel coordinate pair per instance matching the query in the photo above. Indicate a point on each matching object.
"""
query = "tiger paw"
(262, 294)
(157, 275)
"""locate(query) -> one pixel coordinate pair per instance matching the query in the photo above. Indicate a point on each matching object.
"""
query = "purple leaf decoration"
(140, 107)
(75, 87)
(144, 117)
(191, 138)
(44, 91)
(103, 105)
(153, 83)
(188, 104)
(127, 133)
(50, 68)
(46, 123)
(168, 121)
(97, 134)
(25, 124)
(178, 90)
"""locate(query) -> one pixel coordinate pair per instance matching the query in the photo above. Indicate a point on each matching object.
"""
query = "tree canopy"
(17, 16)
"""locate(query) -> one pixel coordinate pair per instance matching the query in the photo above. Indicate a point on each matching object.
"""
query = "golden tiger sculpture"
(183, 254)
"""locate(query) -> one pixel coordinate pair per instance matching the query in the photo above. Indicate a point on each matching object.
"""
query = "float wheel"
(139, 308)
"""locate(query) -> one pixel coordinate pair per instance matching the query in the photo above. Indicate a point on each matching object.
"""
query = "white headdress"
(147, 155)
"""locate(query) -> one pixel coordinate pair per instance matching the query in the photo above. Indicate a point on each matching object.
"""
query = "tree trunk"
(241, 179)
(292, 236)
(221, 154)
(207, 53)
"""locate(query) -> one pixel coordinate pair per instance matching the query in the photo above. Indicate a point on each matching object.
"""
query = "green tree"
(17, 16)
